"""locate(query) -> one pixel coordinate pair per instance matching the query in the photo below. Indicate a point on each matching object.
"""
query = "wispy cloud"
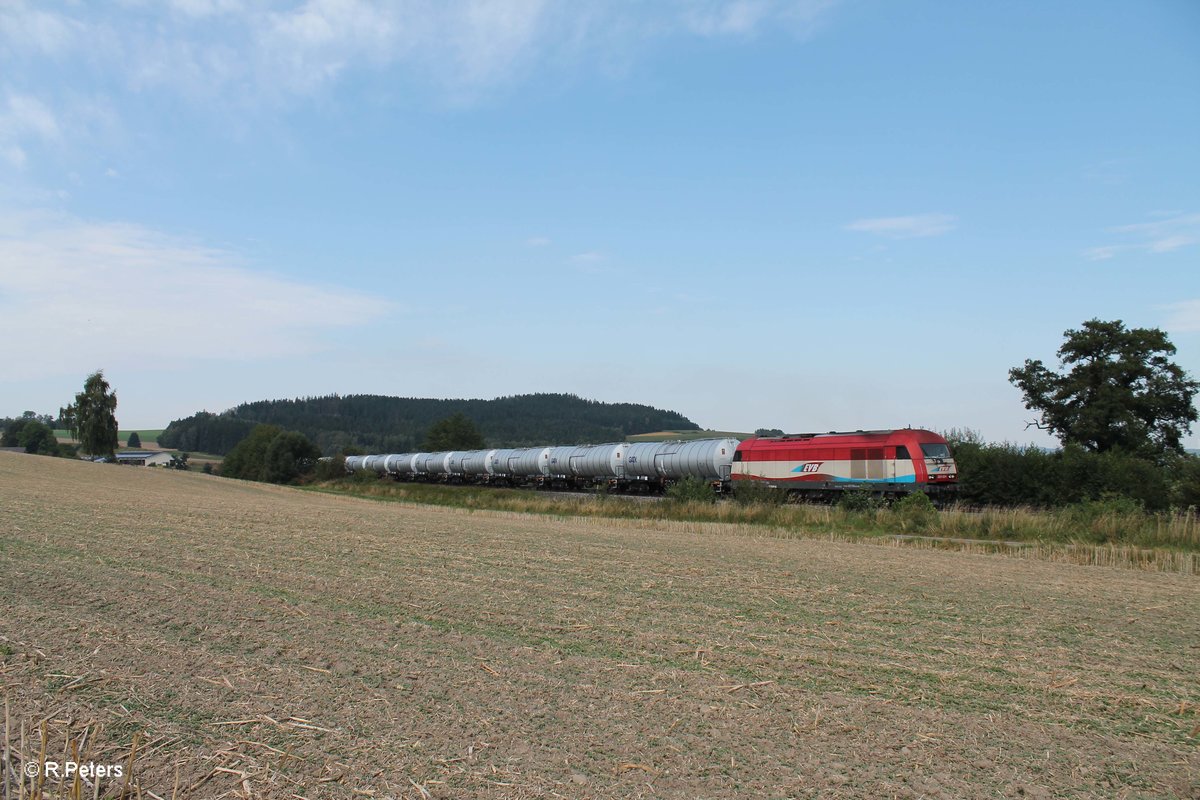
(280, 48)
(537, 241)
(910, 227)
(590, 263)
(239, 57)
(1183, 317)
(24, 118)
(1164, 235)
(747, 17)
(108, 293)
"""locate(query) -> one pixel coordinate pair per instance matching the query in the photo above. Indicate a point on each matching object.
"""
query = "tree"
(246, 460)
(1116, 389)
(37, 437)
(271, 454)
(30, 433)
(289, 456)
(767, 432)
(455, 432)
(94, 416)
(134, 440)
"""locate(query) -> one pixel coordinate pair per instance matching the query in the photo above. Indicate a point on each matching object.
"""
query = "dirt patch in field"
(260, 641)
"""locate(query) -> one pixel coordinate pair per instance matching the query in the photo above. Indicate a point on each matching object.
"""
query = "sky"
(799, 214)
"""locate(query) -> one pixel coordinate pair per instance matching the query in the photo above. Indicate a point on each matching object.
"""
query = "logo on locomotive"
(811, 466)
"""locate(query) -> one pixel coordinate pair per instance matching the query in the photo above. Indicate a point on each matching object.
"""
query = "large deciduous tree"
(1116, 388)
(94, 417)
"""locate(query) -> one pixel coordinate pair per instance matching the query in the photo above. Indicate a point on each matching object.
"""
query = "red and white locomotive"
(824, 465)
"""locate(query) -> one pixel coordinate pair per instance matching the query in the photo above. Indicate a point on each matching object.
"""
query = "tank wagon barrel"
(398, 464)
(475, 462)
(602, 460)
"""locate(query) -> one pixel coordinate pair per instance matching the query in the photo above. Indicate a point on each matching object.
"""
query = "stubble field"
(255, 641)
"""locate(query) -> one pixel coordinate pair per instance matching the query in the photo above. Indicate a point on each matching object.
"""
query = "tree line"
(91, 419)
(381, 424)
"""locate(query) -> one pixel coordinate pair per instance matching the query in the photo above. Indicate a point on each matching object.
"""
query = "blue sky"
(808, 215)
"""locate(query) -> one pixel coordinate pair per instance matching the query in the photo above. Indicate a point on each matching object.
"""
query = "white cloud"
(24, 119)
(747, 17)
(275, 49)
(1101, 253)
(537, 241)
(82, 294)
(590, 257)
(910, 227)
(1183, 317)
(29, 29)
(723, 19)
(14, 155)
(1172, 231)
(25, 113)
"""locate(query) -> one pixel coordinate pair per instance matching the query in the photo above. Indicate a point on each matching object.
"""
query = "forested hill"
(380, 424)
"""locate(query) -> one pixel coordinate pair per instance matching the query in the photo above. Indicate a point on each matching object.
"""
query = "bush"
(32, 434)
(1008, 475)
(691, 490)
(916, 512)
(1185, 483)
(36, 437)
(860, 501)
(748, 493)
(330, 469)
(271, 454)
(134, 440)
(289, 456)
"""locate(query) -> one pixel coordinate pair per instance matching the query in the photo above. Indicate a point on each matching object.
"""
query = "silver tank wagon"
(709, 459)
(454, 461)
(423, 462)
(601, 461)
(530, 462)
(563, 462)
(476, 463)
(498, 462)
(398, 463)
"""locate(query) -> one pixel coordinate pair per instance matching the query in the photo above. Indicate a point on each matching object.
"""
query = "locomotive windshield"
(935, 450)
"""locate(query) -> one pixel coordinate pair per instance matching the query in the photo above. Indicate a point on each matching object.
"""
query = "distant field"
(148, 436)
(278, 643)
(663, 436)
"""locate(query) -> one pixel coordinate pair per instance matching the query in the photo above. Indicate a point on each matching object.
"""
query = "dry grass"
(1162, 542)
(267, 642)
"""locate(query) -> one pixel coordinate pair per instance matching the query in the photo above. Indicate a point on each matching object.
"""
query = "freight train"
(819, 466)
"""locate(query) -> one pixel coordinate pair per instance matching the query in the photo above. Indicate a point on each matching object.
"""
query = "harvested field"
(267, 642)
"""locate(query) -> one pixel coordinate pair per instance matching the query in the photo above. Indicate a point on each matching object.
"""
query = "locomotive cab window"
(902, 454)
(935, 450)
(737, 455)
